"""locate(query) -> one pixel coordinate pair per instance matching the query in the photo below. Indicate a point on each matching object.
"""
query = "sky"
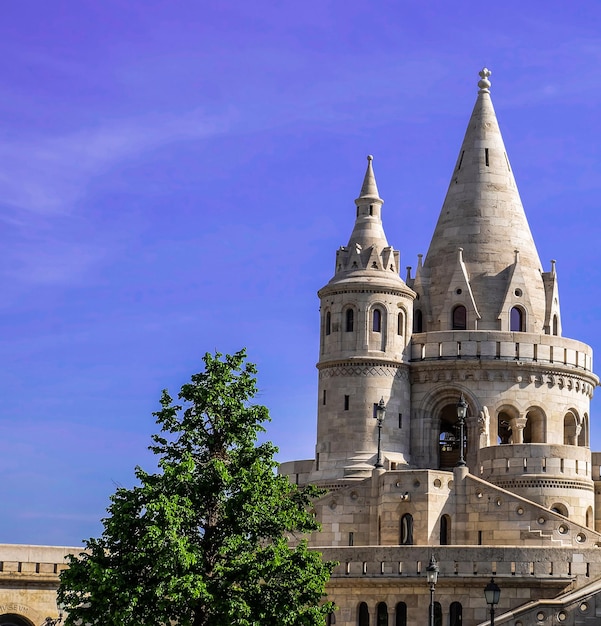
(175, 178)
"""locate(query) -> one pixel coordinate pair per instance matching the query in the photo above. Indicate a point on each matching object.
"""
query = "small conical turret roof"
(483, 214)
(368, 256)
(368, 230)
(369, 189)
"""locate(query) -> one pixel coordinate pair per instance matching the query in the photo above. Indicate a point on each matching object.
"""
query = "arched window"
(362, 615)
(459, 318)
(401, 614)
(445, 530)
(330, 619)
(377, 321)
(455, 614)
(328, 323)
(570, 437)
(407, 530)
(560, 508)
(589, 517)
(555, 324)
(400, 325)
(418, 326)
(516, 320)
(350, 320)
(382, 613)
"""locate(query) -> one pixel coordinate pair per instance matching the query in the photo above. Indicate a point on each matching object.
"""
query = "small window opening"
(346, 402)
(377, 321)
(486, 156)
(371, 209)
(351, 539)
(350, 320)
(324, 397)
(460, 159)
(400, 420)
(328, 323)
(418, 325)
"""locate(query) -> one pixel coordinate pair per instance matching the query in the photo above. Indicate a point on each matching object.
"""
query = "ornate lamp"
(432, 579)
(380, 414)
(461, 415)
(492, 593)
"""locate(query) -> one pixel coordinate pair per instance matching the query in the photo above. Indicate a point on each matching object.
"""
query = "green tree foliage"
(211, 537)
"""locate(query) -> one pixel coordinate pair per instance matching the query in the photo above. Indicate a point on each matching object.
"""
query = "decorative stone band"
(365, 369)
(543, 483)
(522, 374)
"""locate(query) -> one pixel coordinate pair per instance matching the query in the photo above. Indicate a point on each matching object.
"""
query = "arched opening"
(328, 323)
(330, 619)
(504, 432)
(589, 517)
(418, 326)
(445, 530)
(376, 321)
(382, 614)
(534, 432)
(10, 619)
(362, 614)
(570, 430)
(517, 320)
(407, 530)
(560, 508)
(555, 324)
(455, 614)
(459, 321)
(401, 614)
(583, 436)
(449, 438)
(350, 321)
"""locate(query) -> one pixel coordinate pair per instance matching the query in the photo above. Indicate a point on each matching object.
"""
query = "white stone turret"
(366, 320)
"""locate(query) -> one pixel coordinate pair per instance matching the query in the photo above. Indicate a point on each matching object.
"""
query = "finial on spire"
(370, 157)
(484, 83)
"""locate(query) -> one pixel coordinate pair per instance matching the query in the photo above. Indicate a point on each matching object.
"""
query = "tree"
(211, 537)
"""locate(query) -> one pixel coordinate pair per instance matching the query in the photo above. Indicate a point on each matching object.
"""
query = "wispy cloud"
(47, 175)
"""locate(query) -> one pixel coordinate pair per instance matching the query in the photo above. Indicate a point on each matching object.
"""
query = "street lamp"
(380, 414)
(492, 593)
(461, 413)
(432, 578)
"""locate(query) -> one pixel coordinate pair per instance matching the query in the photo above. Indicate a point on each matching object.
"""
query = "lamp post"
(432, 578)
(380, 414)
(492, 593)
(461, 413)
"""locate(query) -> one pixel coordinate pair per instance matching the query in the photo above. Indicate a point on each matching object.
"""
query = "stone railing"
(503, 346)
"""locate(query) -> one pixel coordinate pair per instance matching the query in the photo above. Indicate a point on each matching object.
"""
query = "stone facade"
(510, 493)
(513, 492)
(29, 578)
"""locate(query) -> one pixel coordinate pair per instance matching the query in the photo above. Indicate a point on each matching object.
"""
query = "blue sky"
(176, 177)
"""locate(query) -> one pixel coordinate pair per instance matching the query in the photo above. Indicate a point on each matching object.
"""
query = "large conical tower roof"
(483, 215)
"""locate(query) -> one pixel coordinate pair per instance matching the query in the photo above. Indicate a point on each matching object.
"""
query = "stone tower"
(488, 328)
(366, 318)
(509, 490)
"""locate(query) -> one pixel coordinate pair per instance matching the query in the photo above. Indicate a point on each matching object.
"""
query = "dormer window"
(459, 318)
